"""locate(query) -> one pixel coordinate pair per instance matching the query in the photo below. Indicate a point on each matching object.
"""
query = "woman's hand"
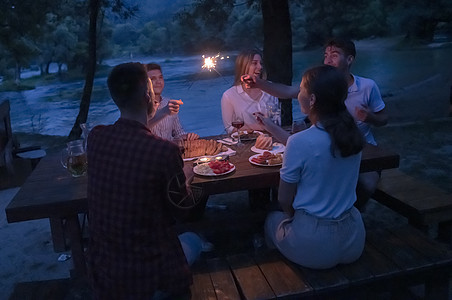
(262, 119)
(249, 81)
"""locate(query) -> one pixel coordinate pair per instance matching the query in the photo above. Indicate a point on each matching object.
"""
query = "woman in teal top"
(319, 227)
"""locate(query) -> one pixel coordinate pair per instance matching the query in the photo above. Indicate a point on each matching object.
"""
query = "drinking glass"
(274, 112)
(85, 132)
(237, 122)
(73, 158)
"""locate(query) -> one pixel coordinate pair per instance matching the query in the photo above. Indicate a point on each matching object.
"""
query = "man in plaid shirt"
(134, 251)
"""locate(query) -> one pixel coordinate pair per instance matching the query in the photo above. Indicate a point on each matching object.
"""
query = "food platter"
(250, 159)
(277, 147)
(205, 170)
(247, 136)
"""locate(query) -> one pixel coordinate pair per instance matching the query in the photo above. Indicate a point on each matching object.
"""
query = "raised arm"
(275, 89)
(171, 109)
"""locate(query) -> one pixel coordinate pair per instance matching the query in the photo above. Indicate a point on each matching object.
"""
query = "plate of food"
(264, 142)
(247, 135)
(266, 159)
(214, 168)
(276, 147)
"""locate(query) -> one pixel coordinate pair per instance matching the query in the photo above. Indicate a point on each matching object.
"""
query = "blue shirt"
(325, 184)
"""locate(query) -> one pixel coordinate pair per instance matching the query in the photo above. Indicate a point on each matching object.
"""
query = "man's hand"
(173, 107)
(362, 113)
(191, 136)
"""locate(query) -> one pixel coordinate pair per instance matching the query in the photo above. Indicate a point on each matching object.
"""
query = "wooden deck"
(232, 233)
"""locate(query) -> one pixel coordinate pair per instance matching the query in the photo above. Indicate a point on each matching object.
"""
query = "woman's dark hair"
(330, 89)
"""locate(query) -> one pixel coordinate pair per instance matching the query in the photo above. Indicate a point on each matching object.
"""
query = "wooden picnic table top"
(247, 175)
(50, 191)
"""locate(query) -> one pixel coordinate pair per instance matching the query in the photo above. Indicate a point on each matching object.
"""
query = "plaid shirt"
(134, 249)
(169, 127)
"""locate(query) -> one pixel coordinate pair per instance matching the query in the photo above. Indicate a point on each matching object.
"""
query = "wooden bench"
(393, 259)
(9, 146)
(423, 204)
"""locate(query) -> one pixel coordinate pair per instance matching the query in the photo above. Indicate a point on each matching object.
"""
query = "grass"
(425, 149)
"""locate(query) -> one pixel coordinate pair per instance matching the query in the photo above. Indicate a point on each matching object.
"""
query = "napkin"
(227, 141)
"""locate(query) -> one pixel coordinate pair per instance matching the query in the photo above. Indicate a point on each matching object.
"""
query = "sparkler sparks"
(210, 62)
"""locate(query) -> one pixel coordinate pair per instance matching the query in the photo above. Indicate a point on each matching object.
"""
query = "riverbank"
(417, 78)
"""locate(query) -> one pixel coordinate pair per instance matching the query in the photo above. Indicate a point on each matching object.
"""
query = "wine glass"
(237, 122)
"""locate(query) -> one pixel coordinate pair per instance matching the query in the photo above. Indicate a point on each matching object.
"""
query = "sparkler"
(210, 63)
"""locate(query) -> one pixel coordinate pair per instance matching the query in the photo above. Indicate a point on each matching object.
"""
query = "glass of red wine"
(237, 122)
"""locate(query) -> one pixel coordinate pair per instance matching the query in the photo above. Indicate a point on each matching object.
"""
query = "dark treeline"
(55, 31)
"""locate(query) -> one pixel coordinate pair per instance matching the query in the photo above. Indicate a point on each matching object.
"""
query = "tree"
(118, 7)
(278, 48)
(94, 6)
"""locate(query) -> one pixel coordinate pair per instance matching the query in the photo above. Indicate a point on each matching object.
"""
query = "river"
(52, 109)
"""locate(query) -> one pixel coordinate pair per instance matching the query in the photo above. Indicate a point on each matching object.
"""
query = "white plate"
(229, 152)
(277, 147)
(211, 173)
(262, 165)
(234, 135)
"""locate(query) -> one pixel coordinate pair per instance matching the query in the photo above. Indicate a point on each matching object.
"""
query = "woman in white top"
(246, 101)
(319, 227)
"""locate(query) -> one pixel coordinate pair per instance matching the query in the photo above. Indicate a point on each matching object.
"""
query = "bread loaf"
(201, 147)
(264, 142)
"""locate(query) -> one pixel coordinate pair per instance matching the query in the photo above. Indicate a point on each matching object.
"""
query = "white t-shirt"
(326, 184)
(235, 99)
(364, 91)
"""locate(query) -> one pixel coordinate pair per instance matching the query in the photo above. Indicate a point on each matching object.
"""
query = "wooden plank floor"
(226, 231)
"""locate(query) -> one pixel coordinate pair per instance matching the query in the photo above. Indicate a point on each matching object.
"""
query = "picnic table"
(51, 192)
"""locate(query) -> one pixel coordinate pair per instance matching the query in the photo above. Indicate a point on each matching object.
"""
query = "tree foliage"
(21, 24)
(418, 19)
